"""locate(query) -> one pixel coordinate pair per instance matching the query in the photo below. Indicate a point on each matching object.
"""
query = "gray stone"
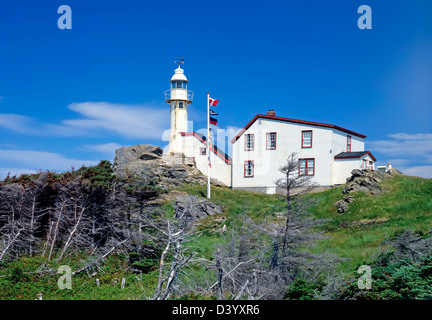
(366, 181)
(178, 173)
(136, 160)
(348, 199)
(193, 208)
(341, 206)
(150, 163)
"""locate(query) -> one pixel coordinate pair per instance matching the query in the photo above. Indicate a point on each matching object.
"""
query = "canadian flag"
(213, 102)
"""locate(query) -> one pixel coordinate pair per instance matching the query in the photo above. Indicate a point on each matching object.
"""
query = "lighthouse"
(179, 98)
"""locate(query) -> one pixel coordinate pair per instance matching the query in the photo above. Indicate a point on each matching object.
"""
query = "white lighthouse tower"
(179, 98)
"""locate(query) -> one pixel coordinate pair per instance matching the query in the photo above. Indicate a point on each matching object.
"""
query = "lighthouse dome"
(179, 75)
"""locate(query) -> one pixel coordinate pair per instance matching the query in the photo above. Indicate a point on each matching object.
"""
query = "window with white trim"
(248, 168)
(249, 142)
(203, 151)
(307, 167)
(271, 140)
(307, 139)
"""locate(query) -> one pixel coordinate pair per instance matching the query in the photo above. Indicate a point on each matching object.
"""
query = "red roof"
(326, 125)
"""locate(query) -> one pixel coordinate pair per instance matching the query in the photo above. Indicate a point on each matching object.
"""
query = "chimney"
(271, 112)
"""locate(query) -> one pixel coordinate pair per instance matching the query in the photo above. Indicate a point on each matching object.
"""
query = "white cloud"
(40, 160)
(105, 149)
(14, 172)
(128, 121)
(17, 123)
(416, 136)
(419, 171)
(142, 121)
(412, 152)
(403, 144)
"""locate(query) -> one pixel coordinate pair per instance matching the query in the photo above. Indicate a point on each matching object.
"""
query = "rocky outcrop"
(136, 160)
(342, 205)
(148, 162)
(366, 181)
(192, 208)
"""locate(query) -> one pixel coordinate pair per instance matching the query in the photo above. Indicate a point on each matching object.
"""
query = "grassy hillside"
(358, 235)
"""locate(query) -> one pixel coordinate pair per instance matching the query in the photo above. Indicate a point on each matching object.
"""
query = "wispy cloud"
(419, 171)
(40, 160)
(145, 121)
(97, 118)
(107, 149)
(15, 172)
(403, 144)
(410, 153)
(416, 136)
(18, 123)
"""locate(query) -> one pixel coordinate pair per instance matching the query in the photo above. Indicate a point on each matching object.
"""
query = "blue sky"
(71, 97)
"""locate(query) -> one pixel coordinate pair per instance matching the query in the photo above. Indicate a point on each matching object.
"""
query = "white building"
(326, 152)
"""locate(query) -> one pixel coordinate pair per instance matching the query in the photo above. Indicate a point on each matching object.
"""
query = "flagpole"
(208, 146)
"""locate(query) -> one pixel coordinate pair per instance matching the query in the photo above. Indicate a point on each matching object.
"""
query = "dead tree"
(298, 232)
(178, 232)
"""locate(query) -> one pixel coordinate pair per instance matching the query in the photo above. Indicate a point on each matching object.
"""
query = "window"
(248, 169)
(271, 140)
(306, 167)
(203, 151)
(178, 85)
(307, 139)
(364, 164)
(249, 142)
(348, 143)
(181, 104)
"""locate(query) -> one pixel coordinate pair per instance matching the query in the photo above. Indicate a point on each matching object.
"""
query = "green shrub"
(18, 275)
(300, 289)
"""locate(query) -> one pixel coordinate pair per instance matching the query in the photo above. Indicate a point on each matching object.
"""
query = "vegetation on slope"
(362, 236)
(361, 233)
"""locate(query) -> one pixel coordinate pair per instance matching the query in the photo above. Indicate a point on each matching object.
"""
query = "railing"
(189, 96)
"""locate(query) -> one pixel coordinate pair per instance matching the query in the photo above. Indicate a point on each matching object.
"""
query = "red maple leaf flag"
(213, 102)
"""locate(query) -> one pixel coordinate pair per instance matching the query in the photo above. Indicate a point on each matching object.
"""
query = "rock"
(366, 181)
(178, 173)
(151, 153)
(193, 208)
(348, 199)
(341, 206)
(159, 169)
(136, 160)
